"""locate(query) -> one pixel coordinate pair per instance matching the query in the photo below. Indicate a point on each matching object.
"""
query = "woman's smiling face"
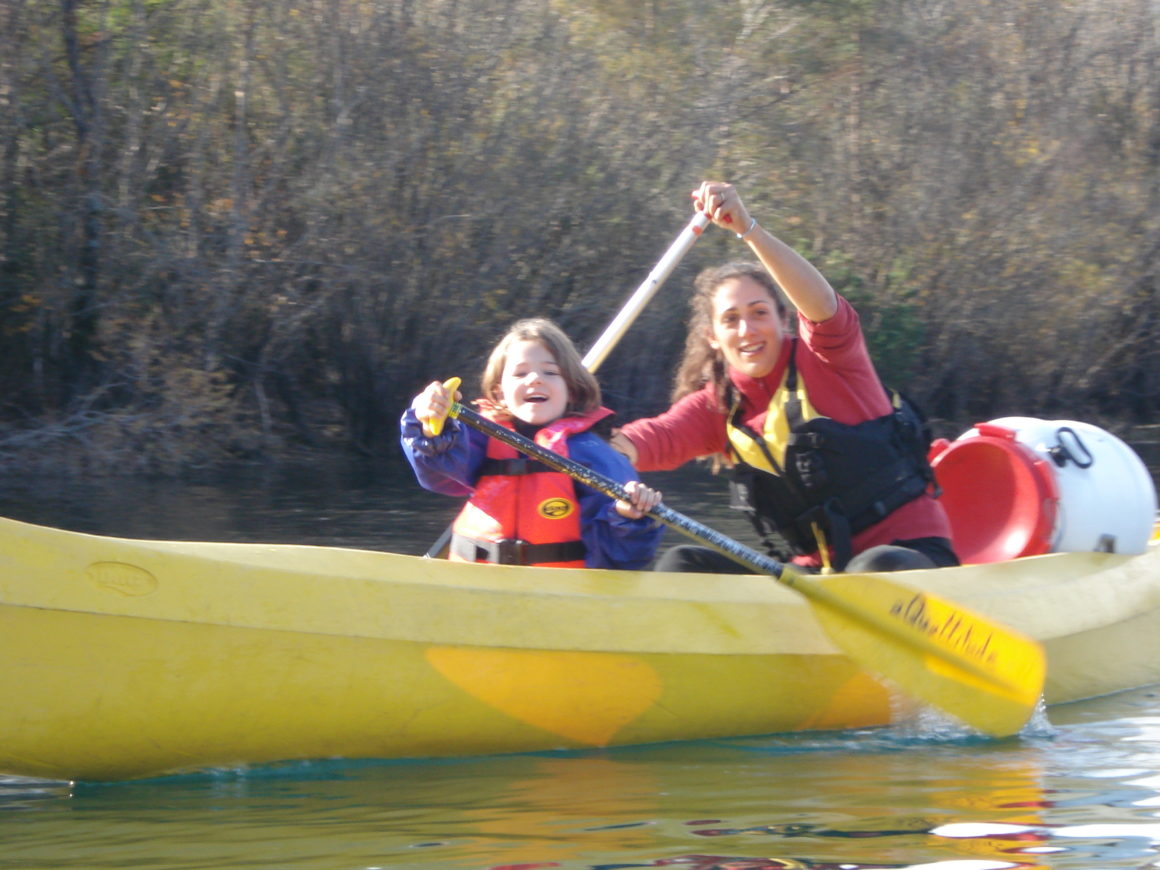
(532, 387)
(746, 326)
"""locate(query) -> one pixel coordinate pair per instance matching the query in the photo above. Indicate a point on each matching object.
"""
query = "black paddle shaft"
(757, 562)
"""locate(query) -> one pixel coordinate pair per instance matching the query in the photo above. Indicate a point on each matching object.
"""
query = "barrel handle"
(1061, 453)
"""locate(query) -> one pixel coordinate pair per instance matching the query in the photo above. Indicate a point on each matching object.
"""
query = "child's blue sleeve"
(449, 462)
(612, 541)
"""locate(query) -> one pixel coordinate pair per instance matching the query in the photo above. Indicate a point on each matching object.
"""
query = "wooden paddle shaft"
(640, 298)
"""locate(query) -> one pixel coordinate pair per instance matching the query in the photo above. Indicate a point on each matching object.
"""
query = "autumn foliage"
(240, 227)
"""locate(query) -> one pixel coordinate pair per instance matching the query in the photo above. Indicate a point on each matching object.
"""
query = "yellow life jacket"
(788, 407)
(810, 483)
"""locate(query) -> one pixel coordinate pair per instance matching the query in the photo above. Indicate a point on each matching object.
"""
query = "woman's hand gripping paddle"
(961, 662)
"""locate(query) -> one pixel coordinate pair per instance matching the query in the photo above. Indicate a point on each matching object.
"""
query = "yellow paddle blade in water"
(984, 673)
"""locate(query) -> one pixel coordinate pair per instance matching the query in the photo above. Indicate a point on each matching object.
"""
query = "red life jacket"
(522, 511)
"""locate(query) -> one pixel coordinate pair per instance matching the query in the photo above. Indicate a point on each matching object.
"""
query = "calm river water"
(1080, 789)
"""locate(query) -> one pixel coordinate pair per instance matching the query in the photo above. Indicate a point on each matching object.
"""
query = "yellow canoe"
(129, 658)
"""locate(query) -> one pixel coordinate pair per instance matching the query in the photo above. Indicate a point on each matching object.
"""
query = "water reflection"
(334, 502)
(1086, 796)
(328, 501)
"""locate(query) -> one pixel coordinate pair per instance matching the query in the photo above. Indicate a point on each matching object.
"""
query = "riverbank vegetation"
(244, 228)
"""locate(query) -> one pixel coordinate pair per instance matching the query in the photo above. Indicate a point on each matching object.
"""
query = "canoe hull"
(122, 658)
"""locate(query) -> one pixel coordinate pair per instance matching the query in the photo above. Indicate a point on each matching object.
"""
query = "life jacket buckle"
(519, 465)
(510, 551)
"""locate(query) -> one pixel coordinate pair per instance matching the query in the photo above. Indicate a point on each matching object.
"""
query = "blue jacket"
(449, 464)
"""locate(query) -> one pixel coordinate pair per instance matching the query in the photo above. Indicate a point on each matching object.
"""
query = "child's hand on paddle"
(642, 500)
(433, 404)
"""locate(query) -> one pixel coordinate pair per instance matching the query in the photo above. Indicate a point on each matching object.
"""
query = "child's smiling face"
(532, 387)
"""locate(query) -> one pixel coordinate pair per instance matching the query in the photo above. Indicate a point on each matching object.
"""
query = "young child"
(521, 511)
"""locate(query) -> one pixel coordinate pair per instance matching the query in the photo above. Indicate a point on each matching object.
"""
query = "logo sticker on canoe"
(555, 508)
(122, 578)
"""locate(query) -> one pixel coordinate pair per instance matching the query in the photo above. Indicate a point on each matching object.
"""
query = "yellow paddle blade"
(984, 673)
(451, 385)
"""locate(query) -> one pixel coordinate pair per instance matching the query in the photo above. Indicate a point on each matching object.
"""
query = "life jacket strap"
(840, 517)
(517, 466)
(513, 551)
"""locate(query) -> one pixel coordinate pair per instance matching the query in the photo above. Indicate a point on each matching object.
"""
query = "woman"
(831, 472)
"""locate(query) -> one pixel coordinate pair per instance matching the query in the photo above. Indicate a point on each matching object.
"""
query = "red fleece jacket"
(839, 377)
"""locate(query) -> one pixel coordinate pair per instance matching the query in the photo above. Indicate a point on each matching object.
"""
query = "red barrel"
(999, 495)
